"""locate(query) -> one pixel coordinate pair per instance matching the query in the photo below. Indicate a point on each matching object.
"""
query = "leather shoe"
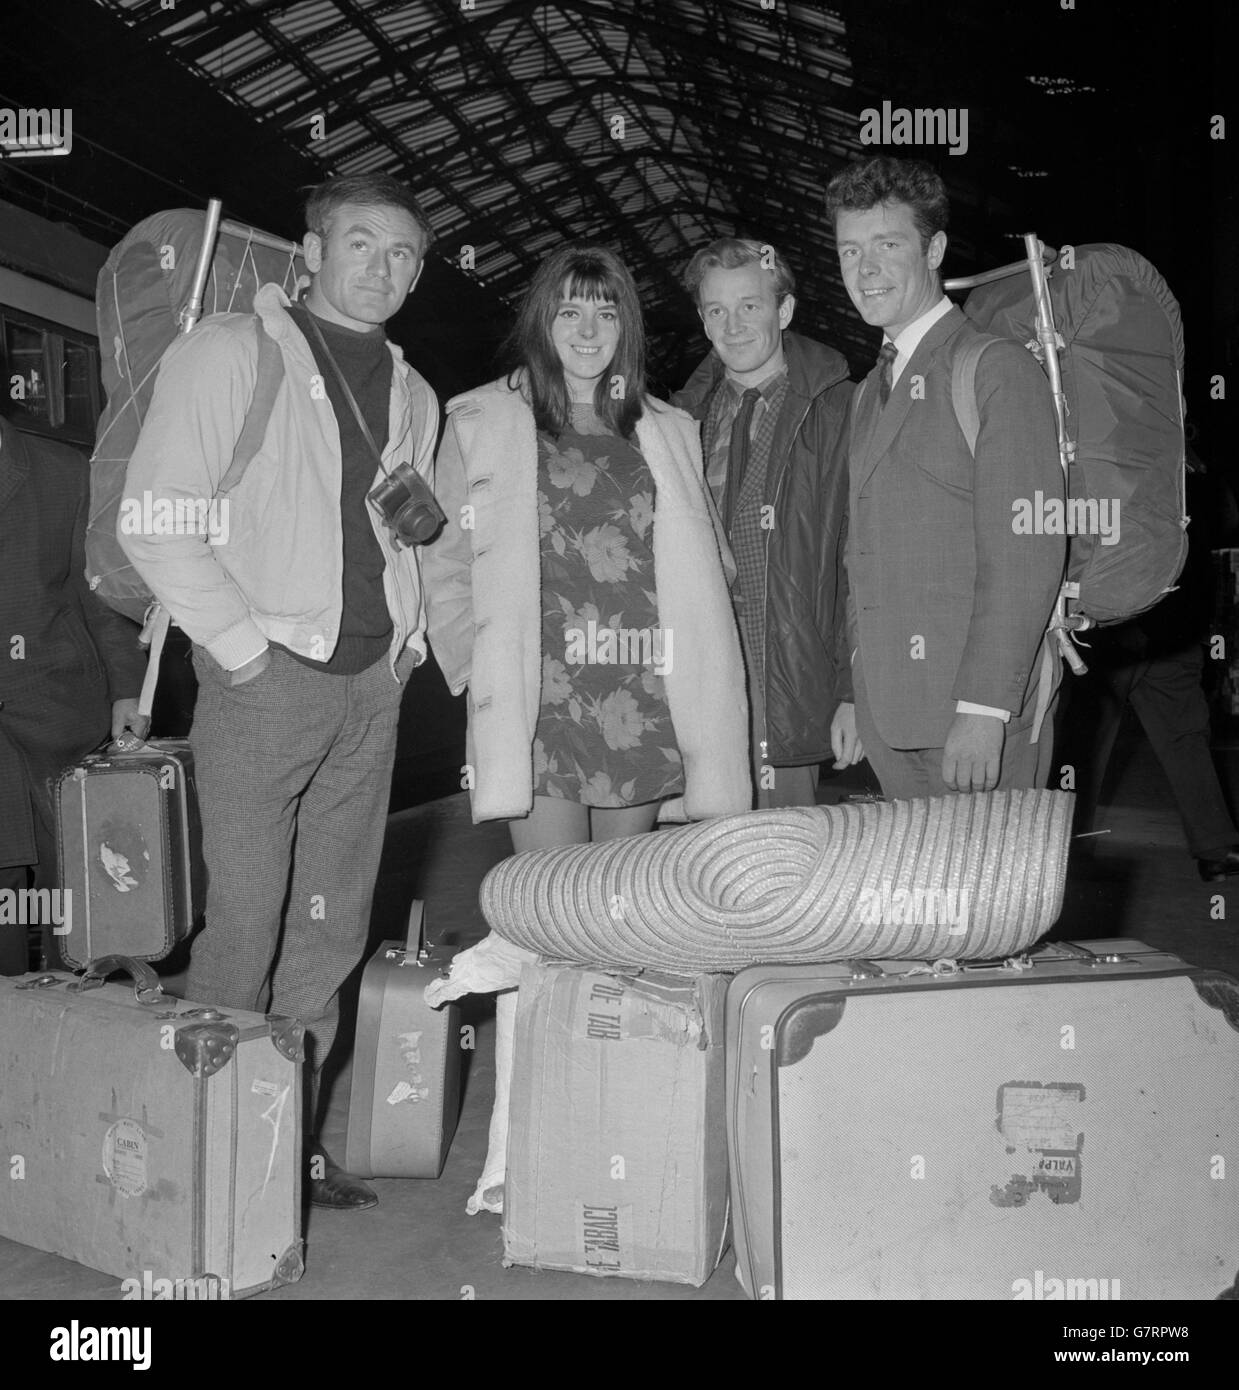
(1214, 870)
(336, 1189)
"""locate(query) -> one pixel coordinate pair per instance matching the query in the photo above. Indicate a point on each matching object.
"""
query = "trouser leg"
(255, 747)
(904, 773)
(1171, 706)
(339, 843)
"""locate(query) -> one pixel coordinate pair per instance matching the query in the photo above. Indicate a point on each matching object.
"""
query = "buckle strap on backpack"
(155, 632)
(270, 377)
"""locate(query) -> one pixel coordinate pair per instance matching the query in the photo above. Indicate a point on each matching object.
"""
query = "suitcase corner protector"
(203, 1048)
(288, 1037)
(290, 1266)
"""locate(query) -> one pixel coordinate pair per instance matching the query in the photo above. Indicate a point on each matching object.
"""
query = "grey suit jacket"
(947, 602)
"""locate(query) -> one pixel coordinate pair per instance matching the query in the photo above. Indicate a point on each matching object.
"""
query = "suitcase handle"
(415, 933)
(122, 748)
(146, 986)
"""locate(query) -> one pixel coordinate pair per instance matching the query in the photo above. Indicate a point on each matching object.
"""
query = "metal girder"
(555, 142)
(705, 95)
(606, 56)
(702, 45)
(157, 19)
(681, 109)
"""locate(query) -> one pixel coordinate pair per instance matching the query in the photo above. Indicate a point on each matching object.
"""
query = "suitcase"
(404, 1097)
(150, 1138)
(1056, 1126)
(130, 852)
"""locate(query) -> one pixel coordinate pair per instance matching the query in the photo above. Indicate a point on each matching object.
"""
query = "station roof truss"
(652, 127)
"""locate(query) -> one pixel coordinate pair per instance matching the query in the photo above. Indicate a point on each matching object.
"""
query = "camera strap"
(348, 393)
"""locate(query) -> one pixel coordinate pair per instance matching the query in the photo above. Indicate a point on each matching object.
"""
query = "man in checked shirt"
(771, 405)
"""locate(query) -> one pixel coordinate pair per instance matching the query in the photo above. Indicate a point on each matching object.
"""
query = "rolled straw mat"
(795, 885)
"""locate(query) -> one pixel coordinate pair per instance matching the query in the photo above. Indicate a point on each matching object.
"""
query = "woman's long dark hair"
(590, 272)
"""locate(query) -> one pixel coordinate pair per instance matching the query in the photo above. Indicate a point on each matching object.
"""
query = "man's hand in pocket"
(251, 669)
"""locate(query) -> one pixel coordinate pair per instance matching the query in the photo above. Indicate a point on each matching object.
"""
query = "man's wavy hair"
(368, 190)
(579, 270)
(730, 253)
(881, 179)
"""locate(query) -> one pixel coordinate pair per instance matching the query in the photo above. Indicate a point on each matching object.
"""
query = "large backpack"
(1120, 357)
(143, 290)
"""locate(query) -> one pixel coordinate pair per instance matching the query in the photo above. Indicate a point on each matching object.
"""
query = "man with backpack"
(948, 604)
(305, 612)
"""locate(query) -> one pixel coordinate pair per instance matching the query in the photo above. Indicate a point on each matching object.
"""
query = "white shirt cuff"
(967, 707)
(265, 647)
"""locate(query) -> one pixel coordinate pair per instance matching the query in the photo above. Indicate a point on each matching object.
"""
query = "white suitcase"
(1057, 1128)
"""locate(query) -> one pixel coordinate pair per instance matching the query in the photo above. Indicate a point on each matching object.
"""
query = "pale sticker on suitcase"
(411, 1051)
(1043, 1121)
(124, 1157)
(118, 868)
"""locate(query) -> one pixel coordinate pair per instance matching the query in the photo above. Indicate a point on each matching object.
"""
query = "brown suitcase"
(148, 1137)
(404, 1099)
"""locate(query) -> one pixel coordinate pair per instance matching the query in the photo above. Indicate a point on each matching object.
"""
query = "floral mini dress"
(604, 735)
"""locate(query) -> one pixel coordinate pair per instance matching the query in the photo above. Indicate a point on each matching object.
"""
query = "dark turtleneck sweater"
(366, 364)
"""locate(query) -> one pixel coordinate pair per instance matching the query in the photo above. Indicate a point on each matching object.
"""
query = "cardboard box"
(617, 1147)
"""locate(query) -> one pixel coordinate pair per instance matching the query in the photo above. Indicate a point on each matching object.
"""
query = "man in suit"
(948, 605)
(70, 668)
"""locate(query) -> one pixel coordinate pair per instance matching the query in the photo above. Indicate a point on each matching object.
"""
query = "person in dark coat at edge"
(1155, 663)
(70, 668)
(772, 405)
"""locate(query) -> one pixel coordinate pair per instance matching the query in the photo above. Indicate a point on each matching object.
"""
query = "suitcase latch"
(39, 982)
(866, 970)
(401, 955)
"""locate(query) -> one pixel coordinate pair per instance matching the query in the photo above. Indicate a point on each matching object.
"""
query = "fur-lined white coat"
(482, 580)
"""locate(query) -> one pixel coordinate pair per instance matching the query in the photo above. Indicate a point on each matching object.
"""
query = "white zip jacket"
(272, 571)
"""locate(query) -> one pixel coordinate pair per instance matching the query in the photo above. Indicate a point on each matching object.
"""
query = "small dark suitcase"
(148, 1137)
(1056, 1126)
(404, 1099)
(130, 852)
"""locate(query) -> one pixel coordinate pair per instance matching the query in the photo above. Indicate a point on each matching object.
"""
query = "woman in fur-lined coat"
(578, 590)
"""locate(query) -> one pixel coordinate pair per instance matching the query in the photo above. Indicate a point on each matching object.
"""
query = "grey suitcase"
(404, 1097)
(130, 852)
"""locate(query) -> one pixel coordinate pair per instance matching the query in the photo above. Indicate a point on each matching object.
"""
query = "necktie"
(738, 454)
(886, 361)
